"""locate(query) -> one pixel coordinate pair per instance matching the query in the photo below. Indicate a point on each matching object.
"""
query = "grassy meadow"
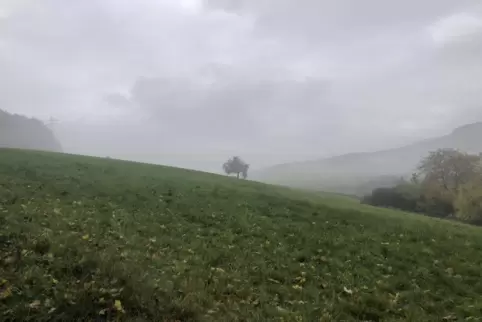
(92, 239)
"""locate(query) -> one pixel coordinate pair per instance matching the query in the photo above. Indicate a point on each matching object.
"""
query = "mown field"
(91, 239)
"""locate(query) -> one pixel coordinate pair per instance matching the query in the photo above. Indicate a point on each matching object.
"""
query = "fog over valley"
(191, 83)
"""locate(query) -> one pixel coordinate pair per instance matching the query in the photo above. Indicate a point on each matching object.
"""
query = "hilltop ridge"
(349, 173)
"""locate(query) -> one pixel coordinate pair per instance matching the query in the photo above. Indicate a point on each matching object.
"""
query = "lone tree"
(236, 165)
(445, 170)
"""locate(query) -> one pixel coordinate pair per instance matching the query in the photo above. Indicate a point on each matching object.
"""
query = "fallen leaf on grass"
(347, 291)
(5, 290)
(282, 310)
(118, 306)
(35, 304)
(274, 281)
(218, 269)
(10, 260)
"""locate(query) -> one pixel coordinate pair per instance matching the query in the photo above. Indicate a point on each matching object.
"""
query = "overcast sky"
(190, 82)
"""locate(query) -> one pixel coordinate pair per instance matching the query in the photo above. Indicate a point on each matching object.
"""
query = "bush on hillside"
(468, 203)
(409, 197)
(404, 196)
(449, 184)
(445, 170)
(435, 207)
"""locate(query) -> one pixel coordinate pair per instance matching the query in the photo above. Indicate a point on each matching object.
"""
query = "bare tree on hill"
(236, 165)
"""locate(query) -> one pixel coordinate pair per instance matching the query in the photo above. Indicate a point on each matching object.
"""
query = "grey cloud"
(117, 100)
(355, 36)
(324, 18)
(231, 112)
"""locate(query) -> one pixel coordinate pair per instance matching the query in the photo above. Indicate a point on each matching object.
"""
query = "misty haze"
(250, 157)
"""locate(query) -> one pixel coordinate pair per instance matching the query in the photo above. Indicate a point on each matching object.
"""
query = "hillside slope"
(96, 239)
(17, 131)
(360, 172)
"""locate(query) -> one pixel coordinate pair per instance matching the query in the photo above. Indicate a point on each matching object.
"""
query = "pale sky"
(192, 82)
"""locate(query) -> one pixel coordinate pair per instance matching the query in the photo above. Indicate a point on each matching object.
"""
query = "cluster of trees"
(448, 183)
(17, 131)
(237, 166)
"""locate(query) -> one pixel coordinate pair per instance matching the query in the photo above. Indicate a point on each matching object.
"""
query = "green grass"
(92, 239)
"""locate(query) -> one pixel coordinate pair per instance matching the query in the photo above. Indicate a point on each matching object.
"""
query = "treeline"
(447, 184)
(17, 131)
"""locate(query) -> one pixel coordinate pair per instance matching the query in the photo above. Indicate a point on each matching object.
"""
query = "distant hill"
(17, 131)
(359, 173)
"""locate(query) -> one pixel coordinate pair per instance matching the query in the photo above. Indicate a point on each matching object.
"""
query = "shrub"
(468, 203)
(404, 196)
(435, 206)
